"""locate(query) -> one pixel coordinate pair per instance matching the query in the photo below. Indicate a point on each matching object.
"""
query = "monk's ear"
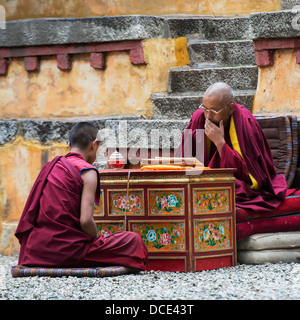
(95, 144)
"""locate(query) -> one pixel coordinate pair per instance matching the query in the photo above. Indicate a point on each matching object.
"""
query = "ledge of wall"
(280, 24)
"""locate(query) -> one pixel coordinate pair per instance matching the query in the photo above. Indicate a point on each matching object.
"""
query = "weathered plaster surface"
(24, 9)
(277, 90)
(122, 88)
(20, 163)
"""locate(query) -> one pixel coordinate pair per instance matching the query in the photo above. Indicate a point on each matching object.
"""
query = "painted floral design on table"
(212, 234)
(166, 202)
(211, 201)
(167, 236)
(99, 209)
(119, 203)
(106, 229)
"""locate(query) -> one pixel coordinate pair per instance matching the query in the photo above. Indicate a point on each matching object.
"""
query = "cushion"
(272, 224)
(266, 241)
(290, 205)
(21, 271)
(282, 135)
(272, 256)
(277, 131)
(295, 146)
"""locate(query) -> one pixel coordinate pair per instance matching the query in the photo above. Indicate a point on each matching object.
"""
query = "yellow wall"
(122, 88)
(277, 89)
(24, 9)
(20, 163)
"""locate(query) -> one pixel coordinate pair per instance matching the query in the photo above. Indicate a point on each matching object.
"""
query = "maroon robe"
(49, 230)
(257, 160)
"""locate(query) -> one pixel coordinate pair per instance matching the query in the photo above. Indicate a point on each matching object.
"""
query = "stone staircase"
(216, 54)
(220, 50)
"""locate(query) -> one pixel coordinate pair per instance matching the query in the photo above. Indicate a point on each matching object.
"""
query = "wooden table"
(187, 221)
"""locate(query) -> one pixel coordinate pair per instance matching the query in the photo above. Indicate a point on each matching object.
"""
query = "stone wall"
(117, 87)
(277, 49)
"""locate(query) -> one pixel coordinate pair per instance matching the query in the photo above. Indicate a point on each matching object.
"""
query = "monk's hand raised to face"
(215, 133)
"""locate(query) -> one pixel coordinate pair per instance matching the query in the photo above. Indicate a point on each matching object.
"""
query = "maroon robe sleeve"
(231, 159)
(191, 138)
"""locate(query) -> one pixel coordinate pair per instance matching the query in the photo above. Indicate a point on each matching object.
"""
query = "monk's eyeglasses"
(213, 112)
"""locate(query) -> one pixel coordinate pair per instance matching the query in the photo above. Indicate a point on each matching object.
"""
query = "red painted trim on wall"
(3, 66)
(264, 58)
(298, 56)
(264, 49)
(31, 63)
(64, 54)
(98, 60)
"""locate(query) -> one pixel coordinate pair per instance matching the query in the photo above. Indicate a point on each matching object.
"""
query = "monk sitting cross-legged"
(57, 228)
(234, 139)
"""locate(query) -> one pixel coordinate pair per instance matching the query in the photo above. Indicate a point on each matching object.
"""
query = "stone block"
(212, 28)
(185, 79)
(47, 131)
(183, 105)
(228, 28)
(156, 134)
(234, 52)
(8, 130)
(37, 32)
(281, 24)
(289, 4)
(191, 27)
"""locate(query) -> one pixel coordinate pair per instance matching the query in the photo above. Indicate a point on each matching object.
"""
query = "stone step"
(183, 105)
(233, 52)
(212, 28)
(144, 133)
(189, 79)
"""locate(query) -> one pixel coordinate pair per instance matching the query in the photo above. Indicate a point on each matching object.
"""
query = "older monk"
(234, 139)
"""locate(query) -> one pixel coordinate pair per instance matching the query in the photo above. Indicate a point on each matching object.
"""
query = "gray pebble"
(243, 282)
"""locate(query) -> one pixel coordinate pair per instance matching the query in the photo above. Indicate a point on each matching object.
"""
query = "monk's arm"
(231, 159)
(87, 222)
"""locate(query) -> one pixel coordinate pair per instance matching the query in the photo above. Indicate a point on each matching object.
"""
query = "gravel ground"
(243, 282)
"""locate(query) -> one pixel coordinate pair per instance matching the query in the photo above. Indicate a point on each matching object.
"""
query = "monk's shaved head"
(82, 134)
(221, 90)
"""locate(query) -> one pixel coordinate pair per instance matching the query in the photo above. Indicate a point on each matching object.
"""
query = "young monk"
(57, 228)
(234, 139)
